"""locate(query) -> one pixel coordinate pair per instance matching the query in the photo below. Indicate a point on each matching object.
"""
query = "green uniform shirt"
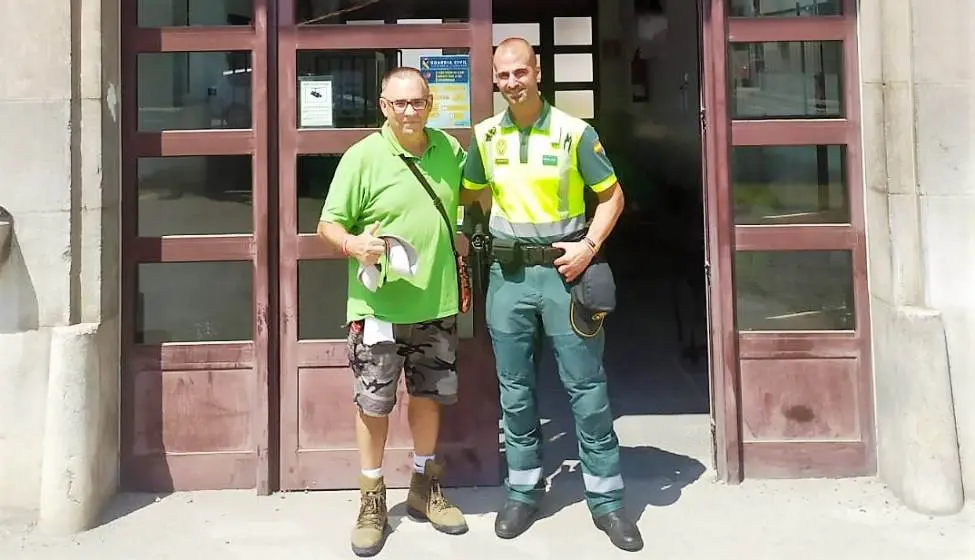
(372, 184)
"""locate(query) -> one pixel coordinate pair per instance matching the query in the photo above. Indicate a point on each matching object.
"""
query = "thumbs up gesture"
(366, 247)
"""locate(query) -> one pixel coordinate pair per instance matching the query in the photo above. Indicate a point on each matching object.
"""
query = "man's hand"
(576, 258)
(366, 247)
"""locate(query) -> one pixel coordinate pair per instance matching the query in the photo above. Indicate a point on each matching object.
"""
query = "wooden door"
(195, 246)
(723, 342)
(352, 44)
(788, 224)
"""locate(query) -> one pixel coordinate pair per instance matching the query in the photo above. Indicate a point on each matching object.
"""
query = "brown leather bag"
(464, 289)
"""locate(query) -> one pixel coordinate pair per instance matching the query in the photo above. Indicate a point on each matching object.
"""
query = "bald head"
(515, 49)
(407, 73)
(516, 72)
(406, 101)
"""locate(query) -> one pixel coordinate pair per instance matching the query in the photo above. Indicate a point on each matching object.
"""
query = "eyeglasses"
(399, 105)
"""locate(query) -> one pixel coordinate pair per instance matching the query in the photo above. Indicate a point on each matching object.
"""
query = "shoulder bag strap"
(433, 196)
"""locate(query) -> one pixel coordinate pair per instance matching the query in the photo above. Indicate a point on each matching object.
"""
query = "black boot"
(622, 532)
(514, 519)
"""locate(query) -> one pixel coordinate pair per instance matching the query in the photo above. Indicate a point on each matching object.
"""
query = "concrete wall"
(917, 99)
(59, 289)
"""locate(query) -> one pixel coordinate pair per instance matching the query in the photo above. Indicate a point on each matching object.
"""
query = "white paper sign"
(315, 102)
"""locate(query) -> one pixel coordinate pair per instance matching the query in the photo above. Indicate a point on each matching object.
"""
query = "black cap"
(593, 297)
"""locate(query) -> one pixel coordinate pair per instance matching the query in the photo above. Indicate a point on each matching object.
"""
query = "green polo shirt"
(372, 184)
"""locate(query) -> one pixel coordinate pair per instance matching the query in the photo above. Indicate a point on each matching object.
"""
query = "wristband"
(591, 243)
(345, 246)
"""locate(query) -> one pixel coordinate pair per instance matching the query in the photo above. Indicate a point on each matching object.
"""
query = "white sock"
(420, 461)
(373, 473)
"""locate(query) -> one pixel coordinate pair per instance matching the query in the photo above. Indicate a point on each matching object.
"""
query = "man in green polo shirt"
(403, 300)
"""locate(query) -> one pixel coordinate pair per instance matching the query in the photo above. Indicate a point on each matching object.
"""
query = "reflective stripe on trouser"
(515, 301)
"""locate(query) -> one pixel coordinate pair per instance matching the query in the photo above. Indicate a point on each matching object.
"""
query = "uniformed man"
(548, 272)
(399, 321)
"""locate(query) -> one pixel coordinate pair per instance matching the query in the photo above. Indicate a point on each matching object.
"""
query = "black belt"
(526, 255)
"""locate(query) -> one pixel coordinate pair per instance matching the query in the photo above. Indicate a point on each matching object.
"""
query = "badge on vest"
(549, 159)
(502, 146)
(500, 161)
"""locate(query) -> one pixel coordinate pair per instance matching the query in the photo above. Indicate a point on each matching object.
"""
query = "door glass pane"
(531, 32)
(195, 195)
(323, 289)
(347, 85)
(195, 302)
(330, 12)
(573, 67)
(183, 13)
(789, 185)
(340, 89)
(785, 8)
(580, 104)
(794, 290)
(314, 175)
(573, 31)
(194, 90)
(801, 79)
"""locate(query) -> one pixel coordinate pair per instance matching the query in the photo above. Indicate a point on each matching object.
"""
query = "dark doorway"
(656, 349)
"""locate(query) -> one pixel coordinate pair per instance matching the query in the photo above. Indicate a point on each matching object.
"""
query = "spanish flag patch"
(597, 147)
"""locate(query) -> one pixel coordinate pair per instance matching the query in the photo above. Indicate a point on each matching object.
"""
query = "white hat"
(401, 258)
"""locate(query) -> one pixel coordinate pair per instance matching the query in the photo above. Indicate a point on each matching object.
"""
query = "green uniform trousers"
(519, 302)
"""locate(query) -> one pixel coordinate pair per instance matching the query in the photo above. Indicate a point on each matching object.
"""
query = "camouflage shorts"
(427, 352)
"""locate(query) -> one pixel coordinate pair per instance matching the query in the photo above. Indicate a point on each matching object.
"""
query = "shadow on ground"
(127, 503)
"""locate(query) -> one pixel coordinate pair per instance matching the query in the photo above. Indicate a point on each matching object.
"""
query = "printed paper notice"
(315, 102)
(450, 83)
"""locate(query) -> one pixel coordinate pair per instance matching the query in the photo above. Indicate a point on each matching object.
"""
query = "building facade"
(163, 174)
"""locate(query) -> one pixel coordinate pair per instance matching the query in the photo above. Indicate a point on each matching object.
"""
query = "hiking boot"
(369, 534)
(426, 501)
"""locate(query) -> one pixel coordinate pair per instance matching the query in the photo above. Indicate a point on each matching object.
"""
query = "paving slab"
(805, 519)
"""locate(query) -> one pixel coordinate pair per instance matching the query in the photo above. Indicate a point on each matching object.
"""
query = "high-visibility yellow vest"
(539, 193)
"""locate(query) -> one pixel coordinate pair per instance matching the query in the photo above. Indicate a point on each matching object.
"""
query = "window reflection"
(573, 31)
(314, 175)
(330, 12)
(195, 195)
(184, 13)
(785, 8)
(789, 184)
(340, 89)
(794, 290)
(194, 90)
(800, 79)
(574, 67)
(195, 302)
(353, 78)
(323, 288)
(578, 103)
(530, 32)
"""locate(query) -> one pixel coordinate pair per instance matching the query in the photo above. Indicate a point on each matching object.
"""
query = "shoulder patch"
(597, 147)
